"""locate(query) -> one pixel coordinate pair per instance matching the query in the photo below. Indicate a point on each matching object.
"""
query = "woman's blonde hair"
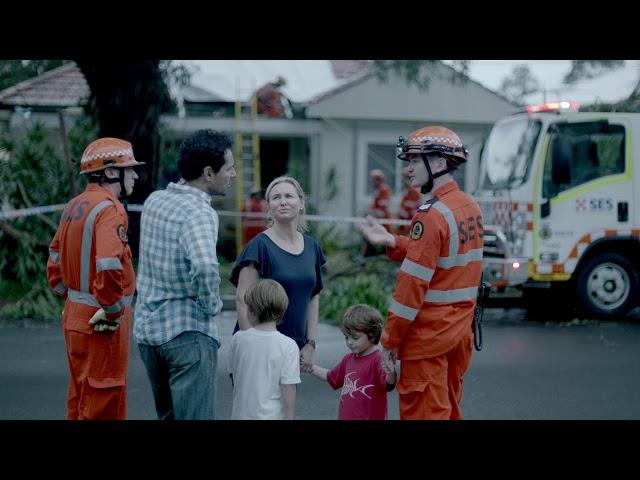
(302, 223)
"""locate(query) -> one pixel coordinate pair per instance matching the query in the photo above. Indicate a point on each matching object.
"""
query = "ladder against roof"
(247, 153)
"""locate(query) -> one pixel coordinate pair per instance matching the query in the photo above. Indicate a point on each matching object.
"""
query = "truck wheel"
(607, 287)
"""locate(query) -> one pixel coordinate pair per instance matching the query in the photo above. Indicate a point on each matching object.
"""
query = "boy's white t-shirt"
(260, 362)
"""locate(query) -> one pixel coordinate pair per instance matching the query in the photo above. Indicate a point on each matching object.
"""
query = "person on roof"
(252, 226)
(271, 102)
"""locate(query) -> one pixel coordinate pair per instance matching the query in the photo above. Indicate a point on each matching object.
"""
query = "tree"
(519, 84)
(585, 69)
(16, 71)
(126, 101)
(420, 72)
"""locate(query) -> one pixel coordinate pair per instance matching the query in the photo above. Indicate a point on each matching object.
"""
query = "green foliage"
(32, 174)
(226, 287)
(331, 184)
(82, 133)
(168, 164)
(585, 69)
(40, 303)
(519, 84)
(347, 283)
(16, 71)
(421, 72)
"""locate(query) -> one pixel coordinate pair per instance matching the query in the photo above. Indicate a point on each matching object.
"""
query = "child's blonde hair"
(362, 318)
(267, 300)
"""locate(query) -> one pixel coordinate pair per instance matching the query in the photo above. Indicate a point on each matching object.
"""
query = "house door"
(274, 160)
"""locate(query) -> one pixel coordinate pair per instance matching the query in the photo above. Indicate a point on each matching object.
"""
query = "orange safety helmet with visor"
(108, 152)
(434, 140)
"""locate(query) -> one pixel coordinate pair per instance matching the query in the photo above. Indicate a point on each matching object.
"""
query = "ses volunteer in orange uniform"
(429, 323)
(252, 226)
(382, 195)
(90, 265)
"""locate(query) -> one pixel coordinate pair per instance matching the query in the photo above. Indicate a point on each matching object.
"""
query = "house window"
(383, 157)
(597, 151)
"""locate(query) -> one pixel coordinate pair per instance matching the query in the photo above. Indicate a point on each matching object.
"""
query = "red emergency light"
(552, 106)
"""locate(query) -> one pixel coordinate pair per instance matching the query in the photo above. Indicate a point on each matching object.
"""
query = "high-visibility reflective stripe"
(83, 297)
(450, 296)
(461, 259)
(403, 311)
(453, 228)
(416, 270)
(108, 263)
(55, 256)
(87, 234)
(60, 288)
(87, 299)
(119, 305)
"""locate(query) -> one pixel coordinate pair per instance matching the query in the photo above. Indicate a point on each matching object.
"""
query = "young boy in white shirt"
(265, 364)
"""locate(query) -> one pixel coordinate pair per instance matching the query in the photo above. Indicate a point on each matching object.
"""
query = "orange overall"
(408, 205)
(90, 265)
(254, 225)
(430, 317)
(380, 204)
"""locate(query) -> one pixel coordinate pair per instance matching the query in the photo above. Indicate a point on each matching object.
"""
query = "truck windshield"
(508, 152)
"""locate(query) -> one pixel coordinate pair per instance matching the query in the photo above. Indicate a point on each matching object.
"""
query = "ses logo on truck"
(589, 205)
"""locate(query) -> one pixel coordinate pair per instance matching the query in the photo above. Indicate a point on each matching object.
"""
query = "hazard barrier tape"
(26, 212)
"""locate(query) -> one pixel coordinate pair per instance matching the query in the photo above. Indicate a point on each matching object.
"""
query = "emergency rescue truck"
(559, 191)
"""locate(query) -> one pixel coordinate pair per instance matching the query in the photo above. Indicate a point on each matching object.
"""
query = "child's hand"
(388, 365)
(306, 367)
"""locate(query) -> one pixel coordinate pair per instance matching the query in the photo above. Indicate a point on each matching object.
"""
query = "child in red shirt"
(364, 376)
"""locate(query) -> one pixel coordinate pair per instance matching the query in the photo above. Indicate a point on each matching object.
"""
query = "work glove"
(100, 323)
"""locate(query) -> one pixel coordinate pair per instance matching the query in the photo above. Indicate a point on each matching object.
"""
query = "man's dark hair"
(203, 148)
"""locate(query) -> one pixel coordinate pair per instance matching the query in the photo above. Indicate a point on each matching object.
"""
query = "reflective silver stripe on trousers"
(453, 228)
(403, 311)
(108, 263)
(85, 256)
(461, 259)
(88, 299)
(55, 256)
(416, 270)
(450, 296)
(60, 288)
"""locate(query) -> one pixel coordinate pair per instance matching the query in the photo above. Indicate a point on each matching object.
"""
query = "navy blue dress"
(300, 275)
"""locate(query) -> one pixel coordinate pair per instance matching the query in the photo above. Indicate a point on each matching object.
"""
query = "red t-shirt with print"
(364, 387)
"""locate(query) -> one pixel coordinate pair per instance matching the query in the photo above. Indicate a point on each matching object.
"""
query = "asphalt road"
(526, 370)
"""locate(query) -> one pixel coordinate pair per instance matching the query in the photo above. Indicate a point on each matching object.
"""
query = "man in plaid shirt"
(179, 281)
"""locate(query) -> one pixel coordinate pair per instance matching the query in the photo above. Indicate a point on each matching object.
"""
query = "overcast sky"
(610, 87)
(491, 72)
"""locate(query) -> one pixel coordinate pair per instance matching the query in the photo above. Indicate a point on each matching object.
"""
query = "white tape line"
(25, 212)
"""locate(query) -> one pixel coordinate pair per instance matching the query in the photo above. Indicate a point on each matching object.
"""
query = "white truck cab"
(559, 191)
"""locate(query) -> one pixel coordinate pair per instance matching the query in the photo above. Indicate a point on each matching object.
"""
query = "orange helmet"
(107, 152)
(434, 139)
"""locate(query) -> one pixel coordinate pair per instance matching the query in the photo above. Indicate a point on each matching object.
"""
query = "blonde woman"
(285, 254)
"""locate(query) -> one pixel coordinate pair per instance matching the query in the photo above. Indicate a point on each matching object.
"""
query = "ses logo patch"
(591, 205)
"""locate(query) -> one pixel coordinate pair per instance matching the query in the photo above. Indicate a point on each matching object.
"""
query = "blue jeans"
(182, 373)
